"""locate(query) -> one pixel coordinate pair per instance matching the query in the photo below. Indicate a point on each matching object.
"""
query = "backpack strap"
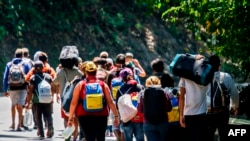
(65, 75)
(40, 77)
(126, 91)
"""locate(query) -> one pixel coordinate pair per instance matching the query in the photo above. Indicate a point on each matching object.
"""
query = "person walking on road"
(218, 115)
(42, 107)
(92, 112)
(15, 87)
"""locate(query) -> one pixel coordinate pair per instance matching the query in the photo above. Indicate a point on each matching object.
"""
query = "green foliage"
(222, 24)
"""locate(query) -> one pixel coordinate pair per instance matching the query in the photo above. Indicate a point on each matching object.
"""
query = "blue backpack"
(93, 99)
(116, 83)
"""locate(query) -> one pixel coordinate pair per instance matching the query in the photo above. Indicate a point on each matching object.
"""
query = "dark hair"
(101, 61)
(120, 59)
(157, 65)
(166, 80)
(43, 57)
(214, 61)
(69, 62)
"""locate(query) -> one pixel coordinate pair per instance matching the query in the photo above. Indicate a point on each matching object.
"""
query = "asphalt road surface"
(28, 135)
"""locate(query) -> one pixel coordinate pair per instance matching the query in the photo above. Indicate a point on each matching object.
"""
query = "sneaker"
(50, 132)
(41, 137)
(25, 127)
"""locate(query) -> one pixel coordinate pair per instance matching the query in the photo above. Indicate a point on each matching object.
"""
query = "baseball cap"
(90, 66)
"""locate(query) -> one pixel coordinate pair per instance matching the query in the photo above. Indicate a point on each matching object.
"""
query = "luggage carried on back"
(16, 75)
(93, 99)
(44, 90)
(68, 94)
(156, 105)
(68, 52)
(221, 95)
(126, 108)
(116, 83)
(186, 66)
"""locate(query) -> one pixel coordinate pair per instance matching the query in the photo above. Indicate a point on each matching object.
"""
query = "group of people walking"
(99, 97)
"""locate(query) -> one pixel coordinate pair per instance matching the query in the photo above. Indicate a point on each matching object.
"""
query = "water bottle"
(68, 132)
(27, 118)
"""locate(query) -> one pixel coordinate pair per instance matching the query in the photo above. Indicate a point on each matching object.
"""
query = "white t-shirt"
(195, 97)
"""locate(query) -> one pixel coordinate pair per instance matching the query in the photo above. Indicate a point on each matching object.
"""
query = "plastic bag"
(68, 131)
(28, 118)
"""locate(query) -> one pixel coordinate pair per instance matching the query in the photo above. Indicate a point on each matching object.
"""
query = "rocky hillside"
(113, 27)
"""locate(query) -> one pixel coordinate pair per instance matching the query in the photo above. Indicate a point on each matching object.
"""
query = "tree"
(222, 25)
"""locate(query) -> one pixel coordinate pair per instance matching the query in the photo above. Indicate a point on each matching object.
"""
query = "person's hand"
(58, 98)
(136, 62)
(235, 111)
(116, 122)
(27, 105)
(199, 56)
(182, 122)
(6, 94)
(70, 122)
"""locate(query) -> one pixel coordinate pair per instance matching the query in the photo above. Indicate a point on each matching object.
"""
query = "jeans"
(133, 128)
(196, 127)
(156, 132)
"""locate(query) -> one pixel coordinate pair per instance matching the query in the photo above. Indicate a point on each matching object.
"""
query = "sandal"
(12, 127)
(19, 129)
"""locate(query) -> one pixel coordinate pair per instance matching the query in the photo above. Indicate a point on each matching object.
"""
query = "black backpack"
(221, 96)
(186, 66)
(154, 105)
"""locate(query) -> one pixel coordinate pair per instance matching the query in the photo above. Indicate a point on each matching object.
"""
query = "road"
(28, 135)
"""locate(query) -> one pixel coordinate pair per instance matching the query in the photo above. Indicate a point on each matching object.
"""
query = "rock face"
(114, 28)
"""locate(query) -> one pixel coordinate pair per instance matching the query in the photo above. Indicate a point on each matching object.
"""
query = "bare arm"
(142, 71)
(74, 103)
(29, 95)
(181, 106)
(111, 104)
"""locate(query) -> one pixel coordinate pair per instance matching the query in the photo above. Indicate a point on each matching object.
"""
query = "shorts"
(18, 97)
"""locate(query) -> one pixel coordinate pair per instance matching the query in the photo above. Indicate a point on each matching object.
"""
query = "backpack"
(93, 99)
(186, 66)
(16, 75)
(154, 105)
(116, 83)
(139, 116)
(221, 95)
(68, 94)
(126, 108)
(44, 91)
(174, 114)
